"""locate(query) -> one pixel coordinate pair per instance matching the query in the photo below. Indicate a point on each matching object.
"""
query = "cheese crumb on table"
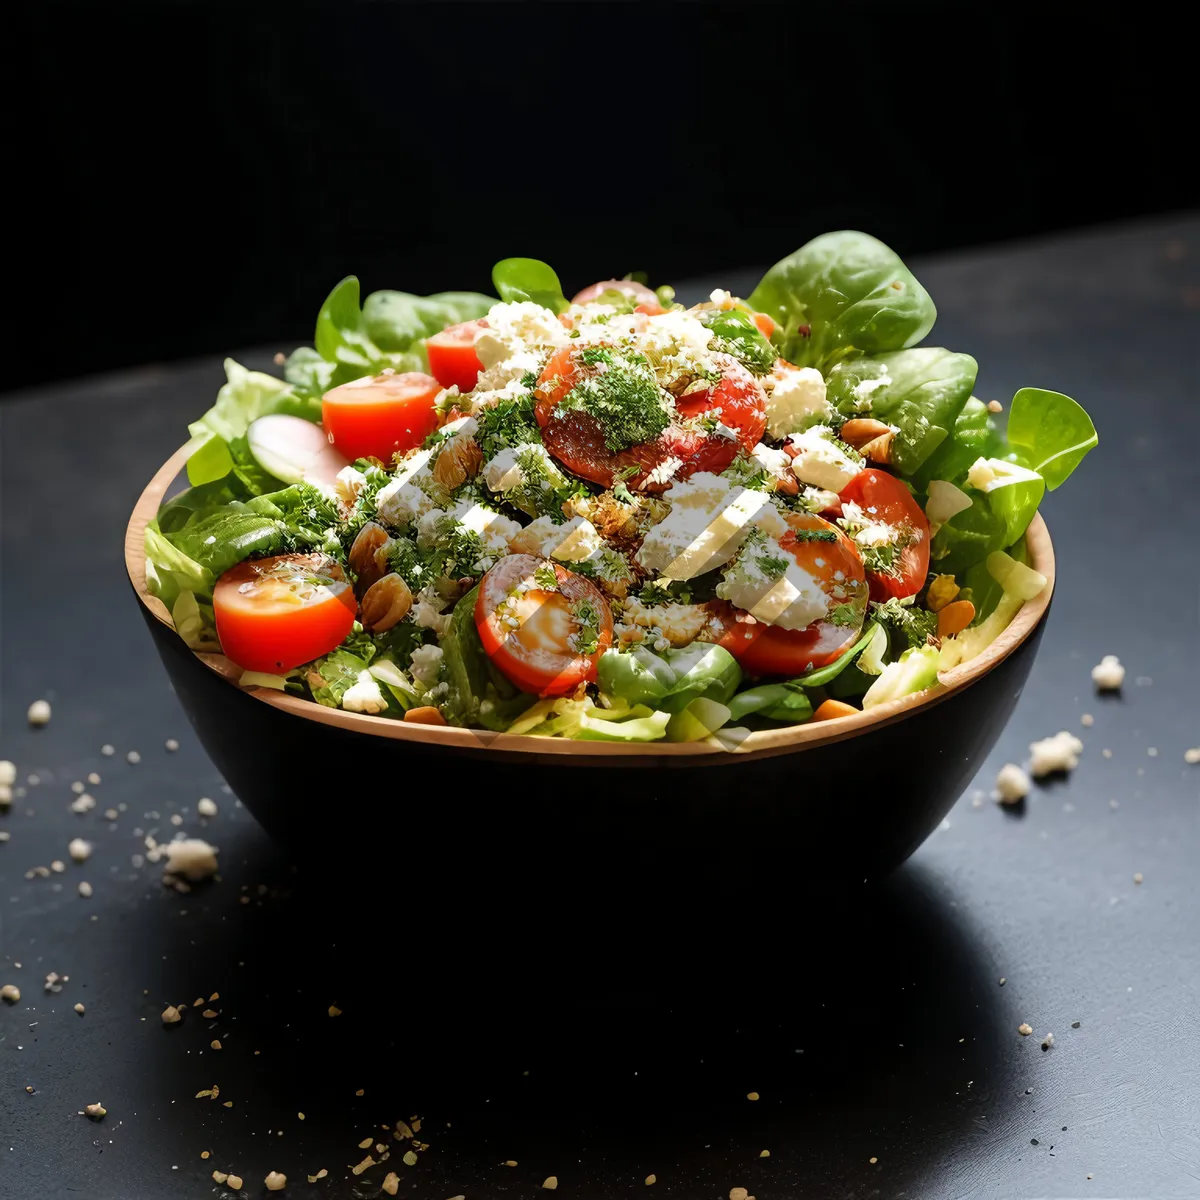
(1137, 877)
(1108, 674)
(1192, 755)
(39, 712)
(275, 1181)
(391, 1183)
(751, 1095)
(8, 772)
(133, 757)
(10, 993)
(1087, 720)
(80, 1009)
(85, 889)
(79, 850)
(1012, 784)
(170, 1015)
(1048, 1041)
(193, 858)
(651, 1180)
(235, 1181)
(206, 807)
(1024, 1029)
(550, 1182)
(95, 1111)
(1058, 753)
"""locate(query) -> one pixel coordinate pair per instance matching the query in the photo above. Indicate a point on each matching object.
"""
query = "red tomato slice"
(528, 628)
(732, 629)
(838, 568)
(274, 614)
(382, 415)
(576, 439)
(627, 287)
(882, 497)
(452, 358)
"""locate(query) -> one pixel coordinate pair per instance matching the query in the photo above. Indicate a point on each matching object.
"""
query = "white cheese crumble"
(1012, 784)
(39, 713)
(1058, 753)
(988, 474)
(774, 462)
(513, 328)
(820, 462)
(795, 400)
(193, 858)
(494, 529)
(1108, 674)
(701, 532)
(427, 611)
(791, 600)
(510, 468)
(8, 773)
(426, 664)
(364, 695)
(575, 541)
(348, 482)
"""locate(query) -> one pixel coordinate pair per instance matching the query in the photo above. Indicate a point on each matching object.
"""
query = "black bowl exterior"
(848, 810)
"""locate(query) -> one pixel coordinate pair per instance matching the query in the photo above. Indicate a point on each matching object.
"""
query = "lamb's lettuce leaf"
(1049, 433)
(528, 280)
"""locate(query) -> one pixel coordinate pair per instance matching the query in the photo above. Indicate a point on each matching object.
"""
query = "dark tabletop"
(880, 1036)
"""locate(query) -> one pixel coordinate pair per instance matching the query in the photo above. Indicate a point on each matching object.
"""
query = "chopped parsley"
(748, 473)
(906, 624)
(814, 535)
(546, 578)
(622, 394)
(735, 333)
(586, 638)
(508, 422)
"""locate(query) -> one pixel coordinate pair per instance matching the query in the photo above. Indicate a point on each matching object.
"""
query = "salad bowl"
(842, 800)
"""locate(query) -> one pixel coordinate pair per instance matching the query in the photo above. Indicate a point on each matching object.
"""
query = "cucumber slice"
(294, 450)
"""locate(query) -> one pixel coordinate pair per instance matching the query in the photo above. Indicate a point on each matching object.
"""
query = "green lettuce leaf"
(920, 391)
(974, 435)
(1050, 433)
(995, 520)
(839, 294)
(529, 280)
(170, 571)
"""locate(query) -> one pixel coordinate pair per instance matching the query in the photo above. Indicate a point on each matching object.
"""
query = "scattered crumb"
(1075, 1024)
(391, 1183)
(4, 834)
(1087, 720)
(96, 1111)
(220, 1176)
(275, 1181)
(198, 1002)
(85, 889)
(8, 772)
(362, 1092)
(93, 778)
(172, 745)
(1024, 1029)
(78, 788)
(322, 1173)
(54, 982)
(873, 1160)
(334, 1011)
(510, 1162)
(1108, 674)
(6, 795)
(206, 807)
(176, 819)
(235, 1182)
(1192, 756)
(1048, 1041)
(738, 1193)
(1012, 784)
(366, 1164)
(203, 1153)
(107, 750)
(215, 1044)
(58, 866)
(79, 850)
(170, 1015)
(1152, 751)
(550, 1182)
(39, 712)
(410, 1159)
(10, 993)
(651, 1180)
(1003, 980)
(751, 1095)
(764, 1154)
(83, 803)
(1137, 877)
(193, 858)
(133, 757)
(994, 406)
(1058, 753)
(80, 1009)
(1106, 752)
(365, 1143)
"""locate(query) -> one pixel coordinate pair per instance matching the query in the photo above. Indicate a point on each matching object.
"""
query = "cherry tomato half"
(576, 438)
(274, 614)
(531, 629)
(837, 567)
(882, 497)
(637, 292)
(452, 358)
(381, 415)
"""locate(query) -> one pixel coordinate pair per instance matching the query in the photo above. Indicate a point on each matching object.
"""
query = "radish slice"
(294, 450)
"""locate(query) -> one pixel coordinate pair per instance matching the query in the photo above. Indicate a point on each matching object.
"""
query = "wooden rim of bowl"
(759, 744)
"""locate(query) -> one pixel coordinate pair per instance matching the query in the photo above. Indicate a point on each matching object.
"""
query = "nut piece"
(391, 1183)
(862, 430)
(39, 712)
(941, 592)
(79, 850)
(362, 558)
(275, 1182)
(95, 1111)
(459, 461)
(170, 1015)
(235, 1182)
(385, 604)
(1024, 1029)
(550, 1182)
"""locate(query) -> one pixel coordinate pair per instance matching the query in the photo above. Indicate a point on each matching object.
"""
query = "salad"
(613, 518)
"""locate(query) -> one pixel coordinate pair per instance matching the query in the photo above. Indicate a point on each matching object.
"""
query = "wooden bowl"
(847, 799)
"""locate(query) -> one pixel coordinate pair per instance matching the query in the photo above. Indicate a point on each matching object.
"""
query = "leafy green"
(245, 396)
(735, 333)
(465, 661)
(842, 293)
(914, 671)
(170, 572)
(670, 681)
(639, 675)
(530, 280)
(974, 435)
(775, 701)
(694, 723)
(339, 672)
(995, 520)
(822, 675)
(921, 392)
(907, 625)
(1049, 433)
(394, 321)
(508, 422)
(647, 727)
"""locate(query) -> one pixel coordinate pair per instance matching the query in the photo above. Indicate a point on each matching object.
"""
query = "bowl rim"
(759, 743)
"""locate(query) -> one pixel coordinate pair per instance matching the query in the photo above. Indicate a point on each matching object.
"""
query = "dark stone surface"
(869, 1029)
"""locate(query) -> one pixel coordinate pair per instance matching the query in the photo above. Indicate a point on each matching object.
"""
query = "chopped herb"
(546, 577)
(586, 638)
(736, 334)
(508, 422)
(907, 625)
(814, 535)
(623, 397)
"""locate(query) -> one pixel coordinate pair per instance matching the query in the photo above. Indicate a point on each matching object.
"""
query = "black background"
(193, 178)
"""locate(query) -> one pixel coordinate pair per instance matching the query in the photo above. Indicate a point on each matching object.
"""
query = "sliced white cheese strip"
(580, 541)
(775, 601)
(477, 518)
(698, 555)
(410, 467)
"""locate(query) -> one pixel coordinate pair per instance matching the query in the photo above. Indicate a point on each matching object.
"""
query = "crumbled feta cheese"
(509, 370)
(494, 529)
(574, 542)
(427, 611)
(865, 529)
(39, 712)
(988, 474)
(426, 664)
(774, 462)
(511, 467)
(348, 482)
(1012, 784)
(467, 426)
(822, 463)
(364, 695)
(796, 400)
(275, 1181)
(819, 499)
(1058, 753)
(792, 599)
(665, 471)
(403, 500)
(512, 328)
(193, 858)
(10, 993)
(206, 807)
(8, 773)
(79, 850)
(708, 521)
(1108, 674)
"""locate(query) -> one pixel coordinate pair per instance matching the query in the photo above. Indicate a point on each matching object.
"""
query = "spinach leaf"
(842, 293)
(920, 391)
(775, 701)
(1050, 433)
(465, 660)
(823, 675)
(735, 333)
(528, 279)
(995, 520)
(395, 320)
(974, 436)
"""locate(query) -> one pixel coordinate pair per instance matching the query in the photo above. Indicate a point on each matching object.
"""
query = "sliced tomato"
(274, 614)
(576, 438)
(731, 628)
(530, 630)
(882, 497)
(837, 567)
(381, 415)
(452, 358)
(638, 292)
